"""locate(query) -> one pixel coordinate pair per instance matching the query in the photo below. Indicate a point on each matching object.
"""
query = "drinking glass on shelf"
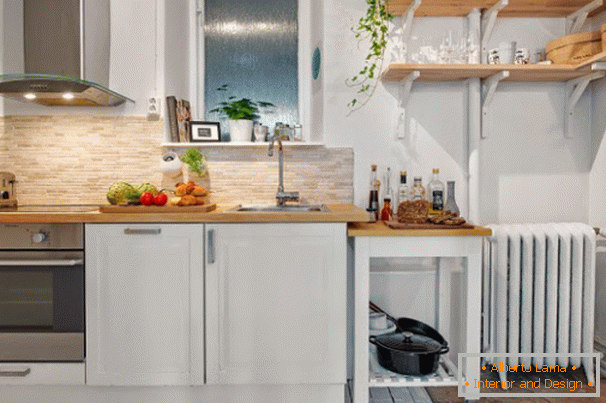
(414, 51)
(460, 53)
(428, 54)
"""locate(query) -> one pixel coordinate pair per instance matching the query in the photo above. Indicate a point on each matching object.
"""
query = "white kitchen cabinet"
(144, 304)
(276, 303)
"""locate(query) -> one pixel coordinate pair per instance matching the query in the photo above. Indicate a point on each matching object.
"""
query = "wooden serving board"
(400, 225)
(203, 208)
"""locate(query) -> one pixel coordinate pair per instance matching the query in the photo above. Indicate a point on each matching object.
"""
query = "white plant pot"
(240, 130)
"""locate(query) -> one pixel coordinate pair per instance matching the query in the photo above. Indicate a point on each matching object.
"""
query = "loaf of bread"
(417, 212)
(413, 212)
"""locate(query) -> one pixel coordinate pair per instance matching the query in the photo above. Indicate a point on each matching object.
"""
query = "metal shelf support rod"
(575, 21)
(574, 90)
(490, 86)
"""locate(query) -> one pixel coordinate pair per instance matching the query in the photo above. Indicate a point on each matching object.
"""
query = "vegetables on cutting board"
(186, 194)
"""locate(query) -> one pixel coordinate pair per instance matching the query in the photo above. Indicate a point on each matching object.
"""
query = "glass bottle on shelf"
(373, 199)
(387, 212)
(451, 204)
(418, 191)
(402, 189)
(436, 193)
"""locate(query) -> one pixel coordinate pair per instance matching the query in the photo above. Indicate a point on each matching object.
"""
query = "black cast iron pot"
(408, 353)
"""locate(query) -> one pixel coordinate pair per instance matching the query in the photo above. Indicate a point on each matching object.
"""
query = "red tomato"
(147, 199)
(160, 199)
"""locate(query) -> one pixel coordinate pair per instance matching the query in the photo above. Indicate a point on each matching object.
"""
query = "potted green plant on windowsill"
(241, 114)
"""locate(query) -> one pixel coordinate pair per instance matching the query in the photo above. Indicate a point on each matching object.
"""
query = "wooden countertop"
(380, 229)
(337, 213)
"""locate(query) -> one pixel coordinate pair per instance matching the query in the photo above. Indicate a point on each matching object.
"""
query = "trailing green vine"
(373, 26)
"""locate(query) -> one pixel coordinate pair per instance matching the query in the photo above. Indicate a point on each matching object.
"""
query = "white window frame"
(305, 49)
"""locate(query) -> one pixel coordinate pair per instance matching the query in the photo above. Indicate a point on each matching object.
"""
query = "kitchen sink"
(297, 208)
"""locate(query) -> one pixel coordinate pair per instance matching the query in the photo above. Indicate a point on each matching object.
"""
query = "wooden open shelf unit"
(457, 72)
(516, 8)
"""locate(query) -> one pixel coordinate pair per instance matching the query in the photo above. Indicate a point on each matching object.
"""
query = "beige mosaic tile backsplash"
(74, 159)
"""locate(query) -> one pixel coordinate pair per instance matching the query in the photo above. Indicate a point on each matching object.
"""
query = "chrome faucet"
(281, 196)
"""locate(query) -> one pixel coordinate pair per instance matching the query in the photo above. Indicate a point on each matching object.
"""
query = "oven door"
(41, 306)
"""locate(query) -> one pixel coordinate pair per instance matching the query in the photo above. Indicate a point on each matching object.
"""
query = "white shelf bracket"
(404, 96)
(574, 90)
(490, 86)
(575, 21)
(488, 21)
(407, 26)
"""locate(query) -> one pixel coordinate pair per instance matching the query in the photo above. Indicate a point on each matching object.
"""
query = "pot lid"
(408, 342)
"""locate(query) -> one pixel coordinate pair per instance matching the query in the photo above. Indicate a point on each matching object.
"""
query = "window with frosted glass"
(252, 47)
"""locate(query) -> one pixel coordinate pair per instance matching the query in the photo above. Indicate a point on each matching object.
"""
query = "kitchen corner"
(255, 285)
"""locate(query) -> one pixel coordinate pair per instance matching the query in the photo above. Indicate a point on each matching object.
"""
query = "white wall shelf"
(242, 144)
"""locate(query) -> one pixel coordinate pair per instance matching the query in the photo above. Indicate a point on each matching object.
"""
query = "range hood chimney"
(66, 52)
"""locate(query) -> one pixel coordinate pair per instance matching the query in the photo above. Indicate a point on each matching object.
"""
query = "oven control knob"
(39, 237)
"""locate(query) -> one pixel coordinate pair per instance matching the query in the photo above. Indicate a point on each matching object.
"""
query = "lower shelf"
(391, 395)
(446, 375)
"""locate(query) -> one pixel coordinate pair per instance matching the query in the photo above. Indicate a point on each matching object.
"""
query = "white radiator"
(539, 293)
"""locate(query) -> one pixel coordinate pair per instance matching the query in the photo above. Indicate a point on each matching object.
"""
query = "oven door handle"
(62, 262)
(15, 373)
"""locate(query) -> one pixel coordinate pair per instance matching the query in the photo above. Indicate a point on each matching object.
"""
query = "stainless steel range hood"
(66, 55)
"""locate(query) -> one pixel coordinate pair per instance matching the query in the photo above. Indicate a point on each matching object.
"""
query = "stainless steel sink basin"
(297, 208)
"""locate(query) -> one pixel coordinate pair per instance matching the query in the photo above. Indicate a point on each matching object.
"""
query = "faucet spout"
(281, 196)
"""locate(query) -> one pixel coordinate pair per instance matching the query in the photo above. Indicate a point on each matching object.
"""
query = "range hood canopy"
(66, 55)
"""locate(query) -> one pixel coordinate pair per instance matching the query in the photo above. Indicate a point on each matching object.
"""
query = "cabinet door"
(144, 304)
(275, 303)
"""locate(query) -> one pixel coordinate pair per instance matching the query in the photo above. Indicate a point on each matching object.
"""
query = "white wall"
(177, 45)
(438, 111)
(529, 171)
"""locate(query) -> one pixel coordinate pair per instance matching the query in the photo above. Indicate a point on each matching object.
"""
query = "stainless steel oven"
(41, 293)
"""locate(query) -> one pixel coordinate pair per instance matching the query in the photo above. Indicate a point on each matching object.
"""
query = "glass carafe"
(451, 204)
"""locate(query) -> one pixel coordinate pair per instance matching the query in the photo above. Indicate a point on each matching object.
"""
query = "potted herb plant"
(195, 167)
(241, 114)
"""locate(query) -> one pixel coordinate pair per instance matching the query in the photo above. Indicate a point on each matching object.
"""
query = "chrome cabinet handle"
(142, 231)
(211, 246)
(67, 262)
(15, 374)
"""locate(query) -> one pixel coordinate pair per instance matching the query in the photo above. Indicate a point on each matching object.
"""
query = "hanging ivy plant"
(374, 27)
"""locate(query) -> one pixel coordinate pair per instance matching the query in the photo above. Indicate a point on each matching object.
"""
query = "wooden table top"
(380, 229)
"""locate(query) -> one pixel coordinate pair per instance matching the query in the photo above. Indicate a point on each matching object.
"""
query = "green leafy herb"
(195, 160)
(374, 27)
(242, 108)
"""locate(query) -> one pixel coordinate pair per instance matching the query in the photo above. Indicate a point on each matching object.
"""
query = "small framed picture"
(204, 131)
